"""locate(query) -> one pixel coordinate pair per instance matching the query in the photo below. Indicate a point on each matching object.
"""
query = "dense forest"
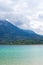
(22, 42)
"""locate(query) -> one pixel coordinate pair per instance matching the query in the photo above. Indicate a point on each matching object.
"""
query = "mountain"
(9, 32)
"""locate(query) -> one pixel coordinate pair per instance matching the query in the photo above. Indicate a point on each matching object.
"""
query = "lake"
(21, 55)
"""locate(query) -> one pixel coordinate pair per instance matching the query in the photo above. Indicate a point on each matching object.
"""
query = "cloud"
(37, 27)
(26, 14)
(40, 17)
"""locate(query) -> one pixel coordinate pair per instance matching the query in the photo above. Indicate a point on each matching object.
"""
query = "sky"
(26, 14)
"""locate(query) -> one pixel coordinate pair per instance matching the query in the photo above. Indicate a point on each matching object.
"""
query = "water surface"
(21, 55)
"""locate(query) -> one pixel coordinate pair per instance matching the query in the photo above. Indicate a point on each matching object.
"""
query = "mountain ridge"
(9, 32)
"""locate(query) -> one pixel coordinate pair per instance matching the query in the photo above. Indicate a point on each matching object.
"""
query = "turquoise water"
(21, 55)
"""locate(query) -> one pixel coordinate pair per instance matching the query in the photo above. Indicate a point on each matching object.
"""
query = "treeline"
(22, 42)
(28, 42)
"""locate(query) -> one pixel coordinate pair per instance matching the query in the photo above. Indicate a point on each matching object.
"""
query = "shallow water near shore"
(21, 55)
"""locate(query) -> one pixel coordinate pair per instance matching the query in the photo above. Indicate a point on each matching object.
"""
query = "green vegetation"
(22, 42)
(28, 42)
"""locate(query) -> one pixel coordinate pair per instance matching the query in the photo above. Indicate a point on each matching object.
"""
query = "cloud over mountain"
(26, 14)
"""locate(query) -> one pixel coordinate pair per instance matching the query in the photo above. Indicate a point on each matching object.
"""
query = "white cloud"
(37, 27)
(26, 14)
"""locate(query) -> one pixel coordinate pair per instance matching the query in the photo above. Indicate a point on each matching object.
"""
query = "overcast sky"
(26, 14)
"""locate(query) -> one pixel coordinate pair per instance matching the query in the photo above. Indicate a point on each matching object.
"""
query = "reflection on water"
(21, 55)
